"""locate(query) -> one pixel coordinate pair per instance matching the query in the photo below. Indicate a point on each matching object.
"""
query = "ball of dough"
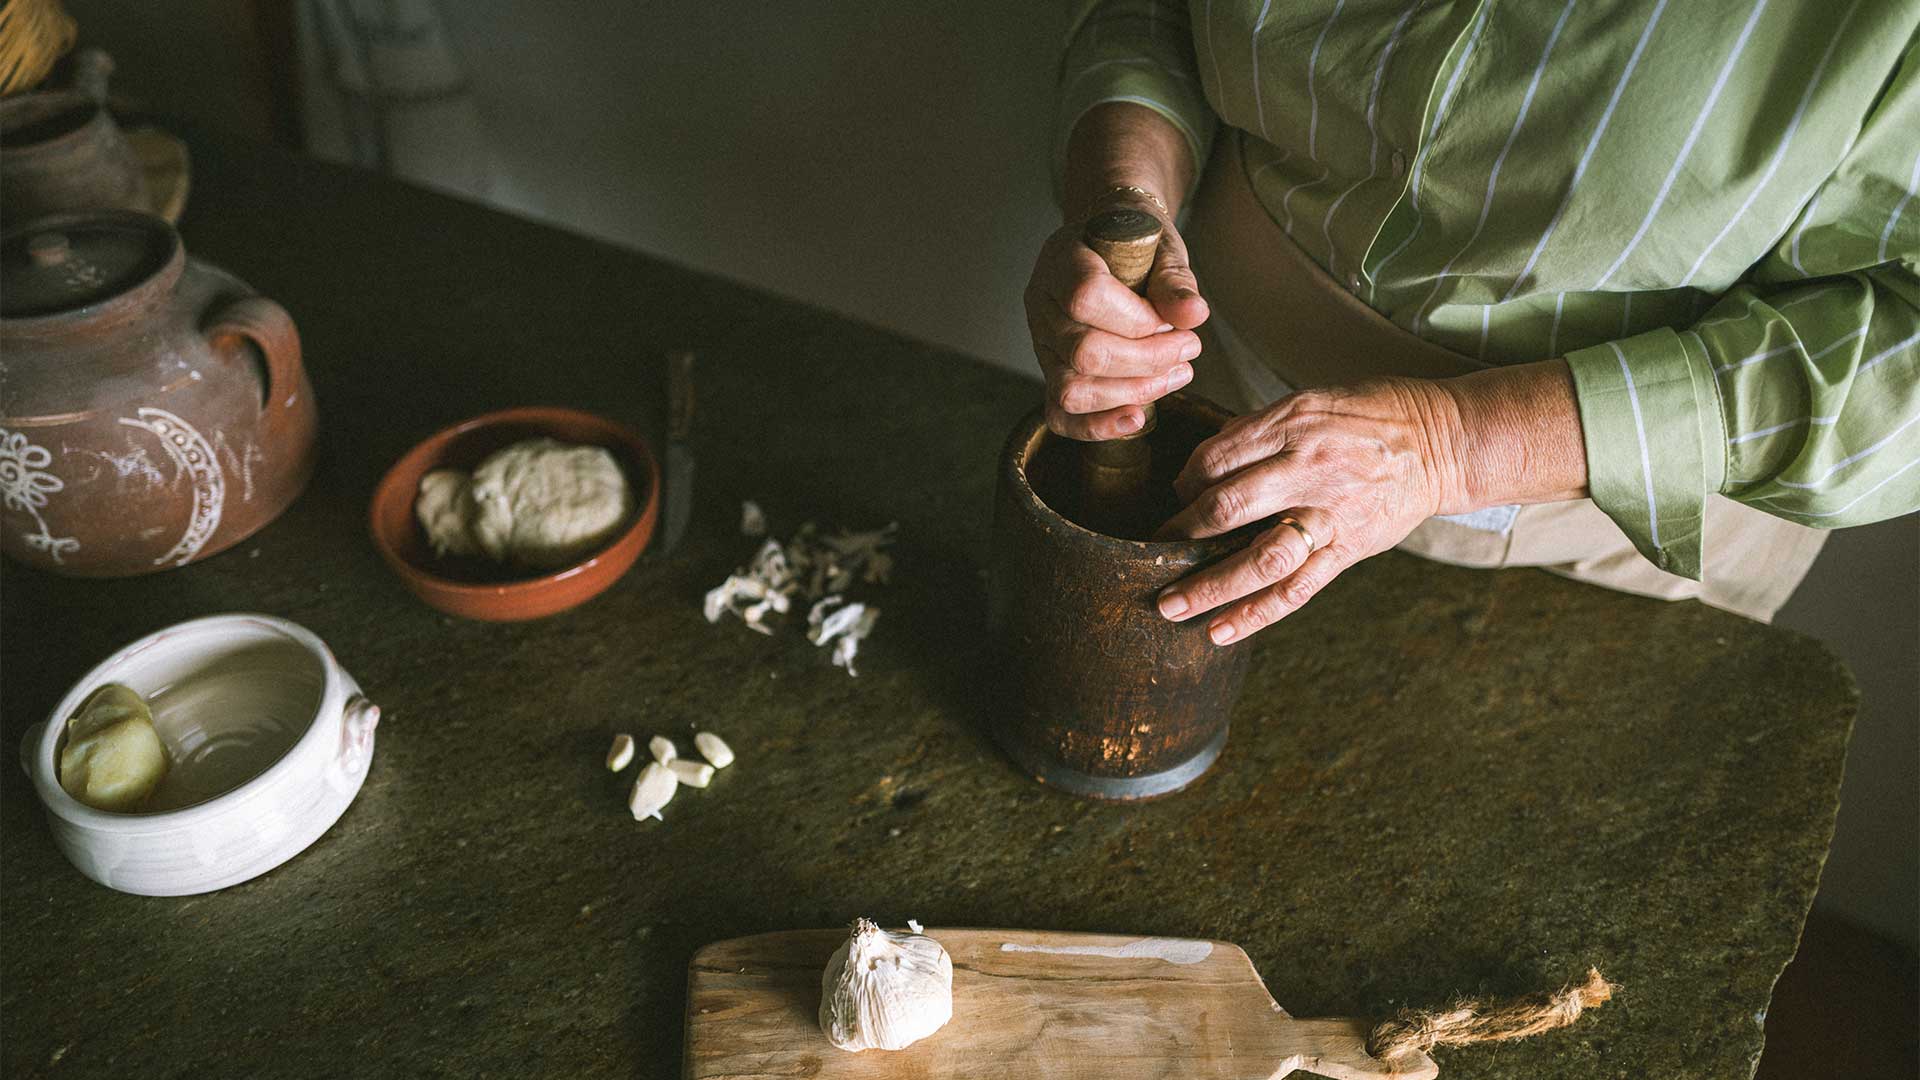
(113, 758)
(445, 509)
(546, 504)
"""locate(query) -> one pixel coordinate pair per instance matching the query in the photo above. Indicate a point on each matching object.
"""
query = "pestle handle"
(1127, 240)
(1114, 473)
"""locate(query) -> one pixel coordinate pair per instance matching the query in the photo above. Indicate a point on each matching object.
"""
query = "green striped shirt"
(1708, 208)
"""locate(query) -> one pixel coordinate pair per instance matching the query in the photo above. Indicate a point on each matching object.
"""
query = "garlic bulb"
(884, 990)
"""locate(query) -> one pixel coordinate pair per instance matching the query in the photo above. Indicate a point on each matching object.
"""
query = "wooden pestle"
(1114, 473)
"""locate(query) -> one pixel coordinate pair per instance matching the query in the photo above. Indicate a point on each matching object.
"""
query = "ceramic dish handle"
(268, 326)
(27, 744)
(357, 722)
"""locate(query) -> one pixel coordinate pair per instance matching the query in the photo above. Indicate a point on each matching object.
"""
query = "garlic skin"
(885, 991)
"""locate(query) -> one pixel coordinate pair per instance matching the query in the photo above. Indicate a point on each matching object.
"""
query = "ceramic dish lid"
(63, 264)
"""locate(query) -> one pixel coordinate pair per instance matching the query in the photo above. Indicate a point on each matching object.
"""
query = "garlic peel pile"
(885, 991)
(814, 569)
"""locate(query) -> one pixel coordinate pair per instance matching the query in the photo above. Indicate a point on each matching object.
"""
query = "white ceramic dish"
(269, 741)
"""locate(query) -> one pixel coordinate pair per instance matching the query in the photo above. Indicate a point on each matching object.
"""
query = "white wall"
(887, 160)
(882, 159)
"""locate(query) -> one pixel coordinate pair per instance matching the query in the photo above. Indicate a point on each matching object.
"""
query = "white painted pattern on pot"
(238, 806)
(25, 485)
(194, 456)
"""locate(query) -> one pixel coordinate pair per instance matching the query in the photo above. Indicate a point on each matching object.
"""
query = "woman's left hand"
(1356, 468)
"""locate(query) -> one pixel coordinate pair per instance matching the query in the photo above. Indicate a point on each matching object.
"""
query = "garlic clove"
(662, 749)
(113, 758)
(885, 991)
(620, 755)
(652, 791)
(714, 749)
(691, 773)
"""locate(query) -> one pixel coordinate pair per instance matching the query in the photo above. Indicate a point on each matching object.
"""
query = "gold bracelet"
(1132, 190)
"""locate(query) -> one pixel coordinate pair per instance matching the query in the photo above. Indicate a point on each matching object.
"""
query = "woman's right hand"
(1106, 350)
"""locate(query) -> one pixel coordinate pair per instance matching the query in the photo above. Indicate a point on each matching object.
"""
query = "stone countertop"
(1440, 781)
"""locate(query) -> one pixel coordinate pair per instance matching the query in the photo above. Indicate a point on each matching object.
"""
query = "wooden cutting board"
(1026, 1003)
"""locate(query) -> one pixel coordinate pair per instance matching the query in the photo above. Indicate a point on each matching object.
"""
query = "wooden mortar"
(1108, 700)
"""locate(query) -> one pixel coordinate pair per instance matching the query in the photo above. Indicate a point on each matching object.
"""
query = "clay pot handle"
(91, 69)
(270, 328)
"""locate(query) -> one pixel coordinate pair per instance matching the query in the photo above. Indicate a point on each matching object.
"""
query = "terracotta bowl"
(474, 588)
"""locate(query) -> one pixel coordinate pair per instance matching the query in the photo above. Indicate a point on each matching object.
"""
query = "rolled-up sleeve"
(1798, 393)
(1650, 417)
(1138, 51)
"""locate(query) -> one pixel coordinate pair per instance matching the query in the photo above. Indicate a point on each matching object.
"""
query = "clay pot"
(1108, 699)
(61, 152)
(153, 411)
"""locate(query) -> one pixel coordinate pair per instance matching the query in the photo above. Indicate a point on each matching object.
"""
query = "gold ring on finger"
(1294, 523)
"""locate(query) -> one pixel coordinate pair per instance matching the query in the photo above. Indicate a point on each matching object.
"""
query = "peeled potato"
(113, 758)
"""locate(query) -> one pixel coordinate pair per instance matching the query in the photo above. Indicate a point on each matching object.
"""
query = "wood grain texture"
(1032, 1011)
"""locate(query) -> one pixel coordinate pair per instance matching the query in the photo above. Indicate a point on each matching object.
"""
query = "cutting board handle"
(1337, 1049)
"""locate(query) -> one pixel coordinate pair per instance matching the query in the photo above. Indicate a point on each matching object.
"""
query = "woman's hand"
(1356, 469)
(1104, 349)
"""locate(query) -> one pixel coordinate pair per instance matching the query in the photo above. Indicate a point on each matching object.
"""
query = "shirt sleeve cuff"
(1651, 417)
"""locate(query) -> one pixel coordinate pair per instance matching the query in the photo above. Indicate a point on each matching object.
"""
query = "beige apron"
(1280, 321)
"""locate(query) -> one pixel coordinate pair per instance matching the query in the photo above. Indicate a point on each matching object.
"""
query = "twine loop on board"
(1467, 1022)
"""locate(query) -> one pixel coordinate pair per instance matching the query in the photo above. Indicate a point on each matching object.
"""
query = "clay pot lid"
(74, 261)
(30, 121)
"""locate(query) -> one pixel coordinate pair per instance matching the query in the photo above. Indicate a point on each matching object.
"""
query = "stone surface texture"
(1439, 781)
